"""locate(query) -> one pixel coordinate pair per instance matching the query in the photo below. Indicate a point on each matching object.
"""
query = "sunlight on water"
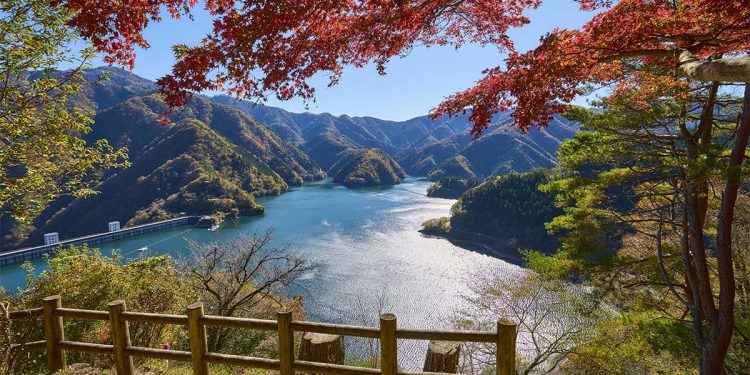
(369, 248)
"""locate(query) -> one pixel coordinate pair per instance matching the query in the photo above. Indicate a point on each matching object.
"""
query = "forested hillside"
(188, 168)
(365, 167)
(248, 151)
(502, 149)
(213, 158)
(507, 212)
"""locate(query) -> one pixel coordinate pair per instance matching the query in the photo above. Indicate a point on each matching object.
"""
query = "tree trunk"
(442, 356)
(719, 334)
(320, 347)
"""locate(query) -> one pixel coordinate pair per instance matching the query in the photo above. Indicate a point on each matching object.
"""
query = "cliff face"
(366, 167)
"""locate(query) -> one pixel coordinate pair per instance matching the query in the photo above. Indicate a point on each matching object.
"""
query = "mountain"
(134, 124)
(439, 148)
(186, 168)
(364, 132)
(220, 154)
(366, 167)
(500, 150)
(108, 86)
(213, 158)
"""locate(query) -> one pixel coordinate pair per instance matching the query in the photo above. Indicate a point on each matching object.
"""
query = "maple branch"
(722, 70)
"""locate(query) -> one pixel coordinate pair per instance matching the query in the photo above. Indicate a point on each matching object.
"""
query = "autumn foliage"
(274, 47)
(262, 47)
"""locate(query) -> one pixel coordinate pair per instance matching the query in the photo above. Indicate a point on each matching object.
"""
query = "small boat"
(142, 251)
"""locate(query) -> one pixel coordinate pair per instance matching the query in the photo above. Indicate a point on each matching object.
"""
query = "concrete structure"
(51, 238)
(29, 253)
(114, 226)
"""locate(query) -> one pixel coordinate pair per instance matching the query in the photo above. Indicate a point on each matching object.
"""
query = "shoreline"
(480, 243)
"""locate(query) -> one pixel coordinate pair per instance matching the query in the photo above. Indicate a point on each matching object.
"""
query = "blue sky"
(413, 85)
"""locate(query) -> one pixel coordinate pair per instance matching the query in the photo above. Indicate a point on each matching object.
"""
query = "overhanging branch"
(689, 66)
(723, 70)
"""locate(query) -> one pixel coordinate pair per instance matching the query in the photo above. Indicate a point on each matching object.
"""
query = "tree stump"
(442, 356)
(320, 347)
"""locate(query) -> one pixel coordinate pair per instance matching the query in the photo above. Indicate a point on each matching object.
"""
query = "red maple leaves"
(275, 46)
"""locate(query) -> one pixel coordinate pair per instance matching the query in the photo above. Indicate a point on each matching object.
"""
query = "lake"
(367, 243)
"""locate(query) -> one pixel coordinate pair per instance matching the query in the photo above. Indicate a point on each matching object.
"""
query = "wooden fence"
(123, 352)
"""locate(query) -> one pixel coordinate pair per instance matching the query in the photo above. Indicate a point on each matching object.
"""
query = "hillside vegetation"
(452, 187)
(219, 158)
(502, 149)
(368, 167)
(212, 158)
(507, 212)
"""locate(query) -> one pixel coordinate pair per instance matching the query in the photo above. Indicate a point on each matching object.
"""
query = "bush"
(439, 226)
(86, 279)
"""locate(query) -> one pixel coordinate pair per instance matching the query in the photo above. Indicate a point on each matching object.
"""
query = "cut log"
(320, 347)
(442, 356)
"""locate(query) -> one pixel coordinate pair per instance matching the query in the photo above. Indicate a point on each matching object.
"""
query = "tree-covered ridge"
(458, 166)
(452, 187)
(510, 200)
(366, 167)
(243, 158)
(421, 145)
(502, 149)
(325, 147)
(506, 212)
(363, 132)
(134, 123)
(189, 168)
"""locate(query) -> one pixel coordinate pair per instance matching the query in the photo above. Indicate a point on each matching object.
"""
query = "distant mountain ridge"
(366, 167)
(422, 146)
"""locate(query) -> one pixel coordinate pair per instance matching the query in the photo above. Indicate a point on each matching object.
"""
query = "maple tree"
(276, 46)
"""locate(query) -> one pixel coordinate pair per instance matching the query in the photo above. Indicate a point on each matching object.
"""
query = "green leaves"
(42, 155)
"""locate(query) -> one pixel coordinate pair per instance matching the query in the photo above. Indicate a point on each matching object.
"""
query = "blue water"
(367, 242)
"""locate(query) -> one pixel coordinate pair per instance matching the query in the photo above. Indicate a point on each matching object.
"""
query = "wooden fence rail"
(196, 322)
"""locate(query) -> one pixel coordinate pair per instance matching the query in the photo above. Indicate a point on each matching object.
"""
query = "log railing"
(196, 322)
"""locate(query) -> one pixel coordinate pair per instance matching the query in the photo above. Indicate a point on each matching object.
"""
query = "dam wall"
(29, 253)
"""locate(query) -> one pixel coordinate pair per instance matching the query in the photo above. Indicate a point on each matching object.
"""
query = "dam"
(29, 253)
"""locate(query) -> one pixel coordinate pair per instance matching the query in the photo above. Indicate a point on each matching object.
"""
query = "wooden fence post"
(506, 347)
(53, 329)
(120, 338)
(198, 344)
(286, 342)
(388, 346)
